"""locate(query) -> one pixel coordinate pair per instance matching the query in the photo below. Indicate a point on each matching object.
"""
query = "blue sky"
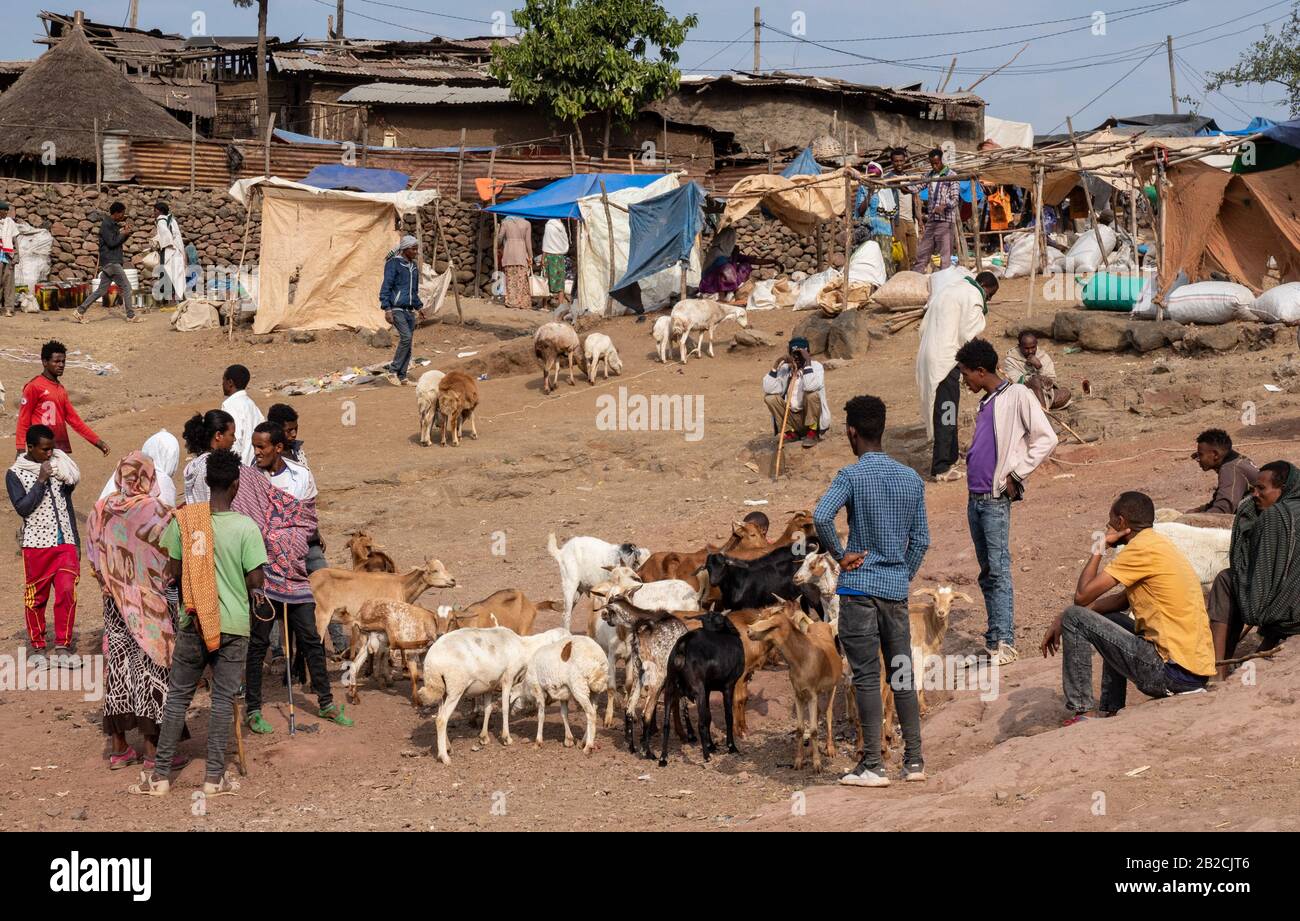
(1060, 74)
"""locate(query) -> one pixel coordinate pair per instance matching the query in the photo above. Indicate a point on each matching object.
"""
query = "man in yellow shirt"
(1164, 647)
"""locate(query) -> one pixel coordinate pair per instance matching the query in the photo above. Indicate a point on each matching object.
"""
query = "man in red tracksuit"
(45, 402)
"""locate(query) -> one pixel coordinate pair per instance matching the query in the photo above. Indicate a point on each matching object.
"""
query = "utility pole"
(758, 31)
(338, 20)
(1173, 87)
(134, 15)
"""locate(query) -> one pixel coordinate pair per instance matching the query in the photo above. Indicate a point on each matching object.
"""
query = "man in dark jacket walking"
(399, 296)
(113, 231)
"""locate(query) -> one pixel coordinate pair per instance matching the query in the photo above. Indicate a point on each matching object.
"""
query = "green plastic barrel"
(1111, 291)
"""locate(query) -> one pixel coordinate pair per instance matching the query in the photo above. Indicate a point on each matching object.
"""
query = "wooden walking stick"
(780, 435)
(242, 760)
(288, 667)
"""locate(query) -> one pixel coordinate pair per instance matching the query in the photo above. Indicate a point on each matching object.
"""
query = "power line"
(700, 66)
(1109, 88)
(398, 25)
(416, 9)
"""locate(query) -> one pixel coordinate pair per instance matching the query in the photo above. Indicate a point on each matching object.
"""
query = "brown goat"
(672, 564)
(365, 557)
(345, 590)
(457, 401)
(508, 608)
(388, 625)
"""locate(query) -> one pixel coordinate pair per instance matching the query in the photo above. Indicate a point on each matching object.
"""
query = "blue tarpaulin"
(293, 137)
(1284, 133)
(560, 198)
(356, 179)
(803, 165)
(1257, 124)
(662, 232)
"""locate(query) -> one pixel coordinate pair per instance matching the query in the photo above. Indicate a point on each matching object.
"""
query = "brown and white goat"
(457, 401)
(381, 626)
(509, 608)
(346, 590)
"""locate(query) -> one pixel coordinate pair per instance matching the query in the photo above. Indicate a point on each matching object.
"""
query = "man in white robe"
(171, 254)
(242, 409)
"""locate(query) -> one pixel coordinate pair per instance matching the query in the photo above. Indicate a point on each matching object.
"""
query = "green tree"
(1275, 58)
(263, 91)
(576, 58)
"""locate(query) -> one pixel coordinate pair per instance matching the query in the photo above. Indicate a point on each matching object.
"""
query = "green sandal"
(334, 713)
(259, 725)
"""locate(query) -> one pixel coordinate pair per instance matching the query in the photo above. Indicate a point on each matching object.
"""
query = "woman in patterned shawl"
(139, 611)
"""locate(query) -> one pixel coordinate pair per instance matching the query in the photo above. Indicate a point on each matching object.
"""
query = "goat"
(474, 662)
(426, 398)
(819, 575)
(365, 557)
(815, 669)
(755, 655)
(383, 625)
(551, 342)
(509, 608)
(704, 315)
(457, 401)
(571, 669)
(752, 583)
(343, 589)
(672, 564)
(705, 660)
(653, 635)
(663, 333)
(600, 348)
(582, 562)
(928, 621)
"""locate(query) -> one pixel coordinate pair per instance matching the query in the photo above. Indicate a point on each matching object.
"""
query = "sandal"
(226, 786)
(178, 762)
(81, 318)
(334, 713)
(259, 725)
(123, 759)
(150, 786)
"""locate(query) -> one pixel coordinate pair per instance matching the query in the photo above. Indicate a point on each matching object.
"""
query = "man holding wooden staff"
(803, 410)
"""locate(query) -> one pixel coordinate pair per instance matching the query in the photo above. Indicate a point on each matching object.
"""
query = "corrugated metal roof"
(414, 94)
(415, 69)
(826, 84)
(179, 94)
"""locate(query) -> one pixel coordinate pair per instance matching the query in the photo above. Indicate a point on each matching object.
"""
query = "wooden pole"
(848, 236)
(780, 435)
(821, 264)
(631, 163)
(1173, 85)
(609, 227)
(451, 265)
(233, 300)
(1133, 214)
(194, 134)
(266, 146)
(460, 163)
(496, 221)
(99, 166)
(1160, 237)
(665, 156)
(573, 164)
(1087, 196)
(1040, 241)
(975, 219)
(365, 138)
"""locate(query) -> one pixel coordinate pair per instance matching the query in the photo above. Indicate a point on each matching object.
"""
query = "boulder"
(380, 339)
(816, 329)
(1210, 339)
(1099, 333)
(1174, 400)
(1065, 325)
(302, 336)
(1148, 335)
(849, 336)
(750, 339)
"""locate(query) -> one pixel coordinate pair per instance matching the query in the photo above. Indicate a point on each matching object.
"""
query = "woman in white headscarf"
(555, 247)
(171, 253)
(165, 451)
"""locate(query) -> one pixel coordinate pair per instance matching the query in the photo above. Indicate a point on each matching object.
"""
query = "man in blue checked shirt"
(888, 537)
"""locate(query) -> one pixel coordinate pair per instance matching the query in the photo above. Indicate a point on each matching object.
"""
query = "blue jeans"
(990, 528)
(404, 323)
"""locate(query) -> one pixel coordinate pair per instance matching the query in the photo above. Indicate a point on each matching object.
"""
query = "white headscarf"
(555, 239)
(165, 451)
(406, 242)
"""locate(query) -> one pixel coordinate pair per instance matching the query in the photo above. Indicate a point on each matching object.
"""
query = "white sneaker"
(913, 773)
(863, 776)
(1005, 654)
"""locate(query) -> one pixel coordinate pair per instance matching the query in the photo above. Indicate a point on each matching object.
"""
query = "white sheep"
(426, 398)
(571, 669)
(582, 562)
(663, 330)
(597, 348)
(552, 342)
(704, 315)
(1205, 548)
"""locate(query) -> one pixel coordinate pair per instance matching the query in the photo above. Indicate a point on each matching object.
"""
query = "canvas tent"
(560, 198)
(1006, 133)
(594, 270)
(663, 232)
(356, 178)
(323, 252)
(800, 203)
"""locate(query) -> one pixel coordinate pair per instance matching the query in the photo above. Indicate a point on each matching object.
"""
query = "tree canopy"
(1275, 58)
(582, 57)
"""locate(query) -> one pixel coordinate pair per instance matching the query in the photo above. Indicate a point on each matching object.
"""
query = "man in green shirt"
(238, 554)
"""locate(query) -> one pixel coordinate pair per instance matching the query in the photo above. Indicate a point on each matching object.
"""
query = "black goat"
(752, 583)
(709, 659)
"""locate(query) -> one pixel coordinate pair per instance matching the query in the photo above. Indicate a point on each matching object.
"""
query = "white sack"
(867, 265)
(811, 288)
(1210, 303)
(1279, 305)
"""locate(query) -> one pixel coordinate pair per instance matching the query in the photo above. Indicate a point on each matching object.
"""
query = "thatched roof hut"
(59, 97)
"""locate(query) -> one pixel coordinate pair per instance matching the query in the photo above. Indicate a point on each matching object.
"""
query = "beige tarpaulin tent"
(800, 203)
(323, 252)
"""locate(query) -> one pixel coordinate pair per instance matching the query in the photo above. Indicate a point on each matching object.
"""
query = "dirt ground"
(1225, 760)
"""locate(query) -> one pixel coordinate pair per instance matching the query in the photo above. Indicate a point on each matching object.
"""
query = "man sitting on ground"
(1164, 648)
(1027, 364)
(1261, 586)
(1237, 474)
(810, 414)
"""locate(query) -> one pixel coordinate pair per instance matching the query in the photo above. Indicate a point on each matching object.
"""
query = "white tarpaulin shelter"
(1008, 133)
(323, 251)
(593, 251)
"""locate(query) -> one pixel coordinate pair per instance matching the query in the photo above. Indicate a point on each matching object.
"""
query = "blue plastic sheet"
(803, 165)
(662, 232)
(560, 198)
(356, 179)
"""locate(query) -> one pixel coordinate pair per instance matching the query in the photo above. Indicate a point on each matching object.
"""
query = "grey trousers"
(189, 658)
(8, 298)
(869, 626)
(1125, 657)
(112, 274)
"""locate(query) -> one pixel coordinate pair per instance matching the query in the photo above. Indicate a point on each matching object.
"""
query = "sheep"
(383, 625)
(457, 401)
(365, 557)
(653, 635)
(509, 608)
(426, 398)
(582, 563)
(815, 669)
(663, 334)
(344, 589)
(704, 315)
(600, 348)
(1205, 548)
(551, 342)
(570, 669)
(705, 660)
(473, 662)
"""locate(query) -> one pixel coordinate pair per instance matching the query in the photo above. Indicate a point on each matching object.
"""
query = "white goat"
(821, 572)
(426, 398)
(1205, 548)
(597, 348)
(571, 669)
(582, 562)
(477, 661)
(704, 315)
(663, 333)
